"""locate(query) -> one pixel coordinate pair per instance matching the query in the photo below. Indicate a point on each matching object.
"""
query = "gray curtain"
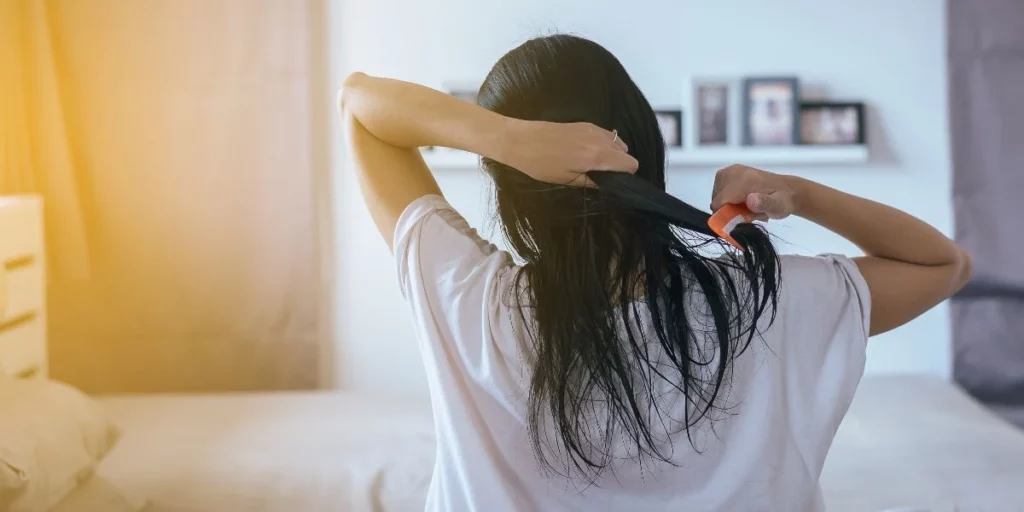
(986, 78)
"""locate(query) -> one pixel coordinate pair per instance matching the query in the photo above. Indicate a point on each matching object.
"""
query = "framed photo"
(671, 124)
(828, 123)
(712, 105)
(464, 94)
(462, 89)
(771, 111)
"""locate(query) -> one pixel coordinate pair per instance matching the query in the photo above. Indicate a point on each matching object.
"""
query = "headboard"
(22, 288)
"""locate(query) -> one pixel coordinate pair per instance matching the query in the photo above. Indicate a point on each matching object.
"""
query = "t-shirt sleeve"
(824, 311)
(451, 278)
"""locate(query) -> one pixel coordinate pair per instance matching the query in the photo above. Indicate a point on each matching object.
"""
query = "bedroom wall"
(890, 54)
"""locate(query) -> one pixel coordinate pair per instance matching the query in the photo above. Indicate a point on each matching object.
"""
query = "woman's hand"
(908, 265)
(562, 153)
(768, 195)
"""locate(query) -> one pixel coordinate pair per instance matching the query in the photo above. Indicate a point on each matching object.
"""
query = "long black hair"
(611, 273)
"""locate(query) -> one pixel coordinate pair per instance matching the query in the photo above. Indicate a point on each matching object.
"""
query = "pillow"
(51, 437)
(98, 494)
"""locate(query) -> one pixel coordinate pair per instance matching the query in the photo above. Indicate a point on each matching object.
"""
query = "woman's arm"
(909, 266)
(408, 116)
(388, 120)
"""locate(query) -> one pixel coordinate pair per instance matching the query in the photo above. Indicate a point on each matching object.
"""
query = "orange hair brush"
(727, 218)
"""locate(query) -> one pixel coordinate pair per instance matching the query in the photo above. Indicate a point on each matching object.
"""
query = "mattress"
(906, 442)
(923, 443)
(272, 452)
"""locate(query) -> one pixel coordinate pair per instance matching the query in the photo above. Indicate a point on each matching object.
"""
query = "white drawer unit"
(22, 288)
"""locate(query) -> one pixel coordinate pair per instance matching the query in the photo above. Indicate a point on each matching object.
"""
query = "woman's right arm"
(909, 266)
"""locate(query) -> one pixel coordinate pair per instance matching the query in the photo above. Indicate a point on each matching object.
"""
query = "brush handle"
(727, 218)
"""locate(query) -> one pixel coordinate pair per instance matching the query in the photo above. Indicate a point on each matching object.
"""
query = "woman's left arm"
(387, 121)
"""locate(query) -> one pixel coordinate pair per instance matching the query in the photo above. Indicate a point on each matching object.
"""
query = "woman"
(625, 363)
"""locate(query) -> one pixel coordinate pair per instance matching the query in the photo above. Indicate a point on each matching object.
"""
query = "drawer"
(21, 227)
(23, 348)
(22, 291)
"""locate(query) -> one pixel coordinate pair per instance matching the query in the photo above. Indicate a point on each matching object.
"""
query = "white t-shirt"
(788, 394)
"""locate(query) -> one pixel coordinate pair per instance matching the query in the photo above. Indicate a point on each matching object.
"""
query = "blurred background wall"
(892, 55)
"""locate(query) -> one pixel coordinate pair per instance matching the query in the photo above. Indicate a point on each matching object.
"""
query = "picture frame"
(464, 94)
(830, 123)
(714, 112)
(771, 111)
(463, 89)
(670, 121)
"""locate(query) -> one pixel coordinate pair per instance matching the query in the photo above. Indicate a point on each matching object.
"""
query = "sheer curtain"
(35, 155)
(190, 129)
(986, 89)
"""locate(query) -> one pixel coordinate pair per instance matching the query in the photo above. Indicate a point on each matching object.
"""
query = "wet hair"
(610, 273)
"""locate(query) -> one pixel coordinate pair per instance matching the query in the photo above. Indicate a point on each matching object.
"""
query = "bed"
(908, 442)
(913, 442)
(271, 452)
(922, 442)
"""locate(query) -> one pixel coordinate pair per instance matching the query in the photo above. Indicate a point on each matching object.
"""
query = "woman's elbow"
(348, 88)
(964, 270)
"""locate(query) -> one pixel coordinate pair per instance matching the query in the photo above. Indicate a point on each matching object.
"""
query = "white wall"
(889, 54)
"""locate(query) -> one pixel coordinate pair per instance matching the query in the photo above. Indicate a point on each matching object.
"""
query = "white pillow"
(51, 437)
(98, 494)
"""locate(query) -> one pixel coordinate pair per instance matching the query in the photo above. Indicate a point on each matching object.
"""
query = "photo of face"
(771, 115)
(712, 114)
(830, 125)
(669, 122)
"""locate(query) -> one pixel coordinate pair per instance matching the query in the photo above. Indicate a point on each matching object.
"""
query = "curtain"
(190, 123)
(986, 77)
(35, 154)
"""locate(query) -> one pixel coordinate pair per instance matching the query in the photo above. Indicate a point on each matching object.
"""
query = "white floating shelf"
(441, 158)
(769, 155)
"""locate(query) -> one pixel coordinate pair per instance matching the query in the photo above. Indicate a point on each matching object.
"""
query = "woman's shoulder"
(435, 246)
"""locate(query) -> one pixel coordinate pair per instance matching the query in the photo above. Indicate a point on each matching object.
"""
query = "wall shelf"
(769, 155)
(441, 158)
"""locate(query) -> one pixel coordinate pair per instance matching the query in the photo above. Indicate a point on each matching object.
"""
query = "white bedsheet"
(907, 442)
(923, 443)
(284, 452)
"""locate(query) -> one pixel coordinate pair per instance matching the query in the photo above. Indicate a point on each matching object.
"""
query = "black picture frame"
(674, 116)
(859, 133)
(793, 134)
